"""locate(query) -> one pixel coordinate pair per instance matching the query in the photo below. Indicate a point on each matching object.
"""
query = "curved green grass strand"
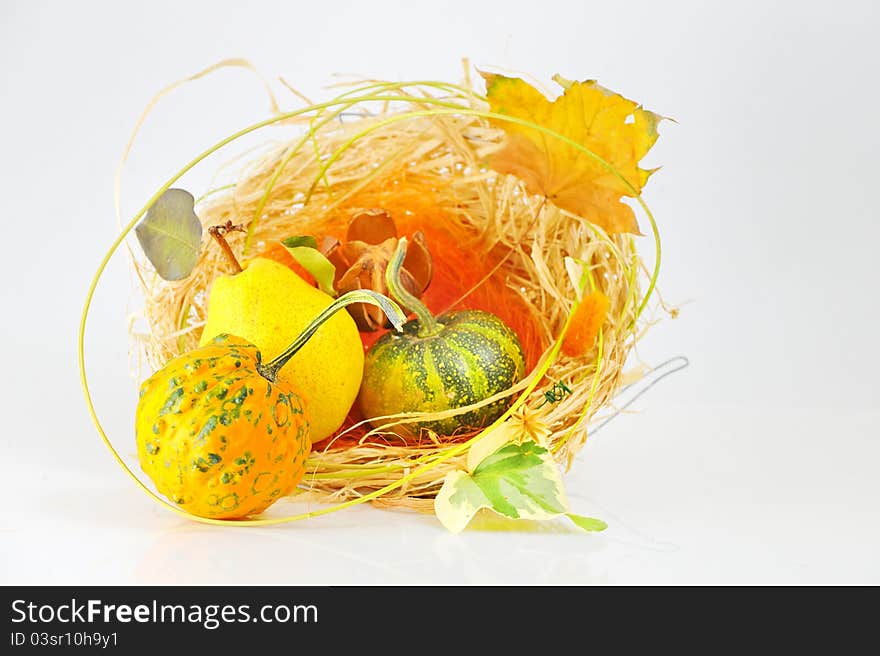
(449, 453)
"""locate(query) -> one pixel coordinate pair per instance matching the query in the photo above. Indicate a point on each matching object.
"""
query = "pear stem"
(389, 307)
(218, 232)
(428, 325)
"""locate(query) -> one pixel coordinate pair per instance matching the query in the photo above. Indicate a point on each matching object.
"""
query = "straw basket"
(419, 152)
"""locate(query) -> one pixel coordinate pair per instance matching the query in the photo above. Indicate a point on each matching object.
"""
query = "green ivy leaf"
(519, 481)
(587, 523)
(171, 234)
(304, 249)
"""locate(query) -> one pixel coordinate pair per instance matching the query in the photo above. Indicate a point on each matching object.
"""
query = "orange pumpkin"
(219, 434)
(216, 437)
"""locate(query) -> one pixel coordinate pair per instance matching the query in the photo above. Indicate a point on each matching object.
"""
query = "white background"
(758, 464)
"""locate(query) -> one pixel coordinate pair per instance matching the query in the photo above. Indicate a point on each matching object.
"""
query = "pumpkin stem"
(218, 232)
(428, 325)
(389, 307)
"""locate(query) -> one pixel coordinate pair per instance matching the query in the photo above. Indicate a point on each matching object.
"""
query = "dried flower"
(524, 424)
(361, 262)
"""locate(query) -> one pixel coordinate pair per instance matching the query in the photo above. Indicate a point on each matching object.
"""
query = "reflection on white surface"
(690, 495)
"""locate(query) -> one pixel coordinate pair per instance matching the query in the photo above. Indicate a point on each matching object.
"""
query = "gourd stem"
(428, 325)
(389, 307)
(219, 235)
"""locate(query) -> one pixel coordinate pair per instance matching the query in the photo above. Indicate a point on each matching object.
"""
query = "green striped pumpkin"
(470, 356)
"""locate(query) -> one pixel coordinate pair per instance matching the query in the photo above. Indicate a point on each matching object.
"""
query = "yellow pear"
(268, 305)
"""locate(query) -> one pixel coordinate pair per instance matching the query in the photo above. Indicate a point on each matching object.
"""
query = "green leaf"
(171, 234)
(304, 249)
(301, 240)
(520, 481)
(490, 442)
(587, 523)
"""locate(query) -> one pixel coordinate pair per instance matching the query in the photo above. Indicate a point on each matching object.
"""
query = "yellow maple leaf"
(616, 129)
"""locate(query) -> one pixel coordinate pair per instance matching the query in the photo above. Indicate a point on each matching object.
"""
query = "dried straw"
(495, 247)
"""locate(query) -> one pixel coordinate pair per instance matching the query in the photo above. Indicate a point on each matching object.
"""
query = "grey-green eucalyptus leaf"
(171, 234)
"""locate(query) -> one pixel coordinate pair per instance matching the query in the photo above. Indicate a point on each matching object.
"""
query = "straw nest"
(495, 247)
